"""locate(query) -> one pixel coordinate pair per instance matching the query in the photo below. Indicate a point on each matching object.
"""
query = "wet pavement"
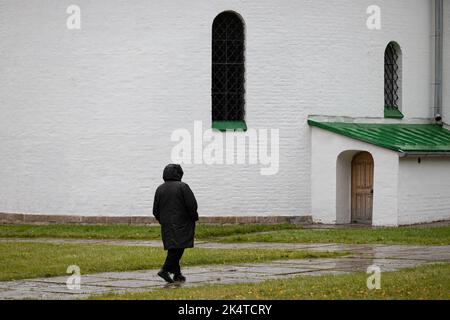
(361, 256)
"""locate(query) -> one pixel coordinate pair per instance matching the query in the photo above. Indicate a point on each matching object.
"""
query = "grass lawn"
(130, 232)
(31, 260)
(402, 235)
(239, 233)
(427, 282)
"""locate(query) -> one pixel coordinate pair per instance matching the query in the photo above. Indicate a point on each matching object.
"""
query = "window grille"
(391, 76)
(228, 68)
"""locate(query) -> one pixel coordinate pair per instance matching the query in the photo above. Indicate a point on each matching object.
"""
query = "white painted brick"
(424, 190)
(86, 116)
(328, 191)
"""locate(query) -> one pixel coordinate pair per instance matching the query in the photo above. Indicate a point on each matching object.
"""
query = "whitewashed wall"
(330, 189)
(86, 116)
(424, 190)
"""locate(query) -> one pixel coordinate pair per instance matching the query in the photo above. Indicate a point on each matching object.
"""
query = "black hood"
(173, 172)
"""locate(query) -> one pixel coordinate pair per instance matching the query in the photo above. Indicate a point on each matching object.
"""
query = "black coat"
(175, 208)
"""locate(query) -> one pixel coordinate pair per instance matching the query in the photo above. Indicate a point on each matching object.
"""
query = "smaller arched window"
(392, 81)
(228, 69)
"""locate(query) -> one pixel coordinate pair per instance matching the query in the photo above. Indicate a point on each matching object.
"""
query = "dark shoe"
(165, 275)
(179, 278)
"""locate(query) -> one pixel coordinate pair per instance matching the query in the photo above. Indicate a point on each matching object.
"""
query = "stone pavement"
(387, 257)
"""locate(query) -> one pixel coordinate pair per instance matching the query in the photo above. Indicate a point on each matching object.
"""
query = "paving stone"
(55, 288)
(392, 265)
(148, 275)
(61, 280)
(129, 283)
(387, 257)
(197, 271)
(5, 285)
(87, 279)
(62, 296)
(18, 295)
(327, 272)
(212, 277)
(268, 269)
(260, 277)
(432, 257)
(230, 280)
(311, 265)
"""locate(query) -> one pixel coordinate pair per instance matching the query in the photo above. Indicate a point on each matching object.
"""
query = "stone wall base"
(19, 218)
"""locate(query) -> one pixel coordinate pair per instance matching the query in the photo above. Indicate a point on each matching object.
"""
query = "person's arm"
(156, 205)
(190, 202)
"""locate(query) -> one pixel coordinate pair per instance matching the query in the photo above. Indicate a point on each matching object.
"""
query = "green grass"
(403, 235)
(130, 232)
(238, 233)
(31, 260)
(427, 282)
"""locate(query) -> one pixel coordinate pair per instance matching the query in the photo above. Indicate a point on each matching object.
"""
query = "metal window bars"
(391, 76)
(228, 69)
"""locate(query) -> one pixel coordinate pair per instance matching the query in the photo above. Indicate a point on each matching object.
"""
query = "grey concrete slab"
(387, 257)
(130, 275)
(129, 284)
(268, 270)
(309, 265)
(326, 272)
(61, 280)
(248, 276)
(88, 279)
(57, 288)
(20, 295)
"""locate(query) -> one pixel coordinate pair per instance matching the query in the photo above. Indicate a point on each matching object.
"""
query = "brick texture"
(10, 218)
(87, 115)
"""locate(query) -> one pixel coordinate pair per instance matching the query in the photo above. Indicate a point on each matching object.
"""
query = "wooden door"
(362, 188)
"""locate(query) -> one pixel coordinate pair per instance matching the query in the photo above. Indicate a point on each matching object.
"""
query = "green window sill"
(392, 113)
(229, 125)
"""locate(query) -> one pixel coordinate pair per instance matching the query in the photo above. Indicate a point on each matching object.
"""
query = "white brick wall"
(331, 192)
(86, 116)
(405, 191)
(424, 190)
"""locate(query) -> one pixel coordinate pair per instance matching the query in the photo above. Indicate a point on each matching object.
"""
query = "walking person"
(175, 208)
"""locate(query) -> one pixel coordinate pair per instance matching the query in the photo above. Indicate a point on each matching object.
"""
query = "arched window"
(392, 81)
(228, 69)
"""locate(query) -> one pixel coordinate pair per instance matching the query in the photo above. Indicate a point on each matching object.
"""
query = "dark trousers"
(172, 263)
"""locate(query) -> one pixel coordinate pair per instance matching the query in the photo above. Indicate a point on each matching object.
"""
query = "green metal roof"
(405, 138)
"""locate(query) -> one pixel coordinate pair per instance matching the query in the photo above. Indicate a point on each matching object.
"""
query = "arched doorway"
(362, 188)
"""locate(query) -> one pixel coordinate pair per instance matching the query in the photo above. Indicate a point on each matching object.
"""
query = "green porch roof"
(405, 138)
